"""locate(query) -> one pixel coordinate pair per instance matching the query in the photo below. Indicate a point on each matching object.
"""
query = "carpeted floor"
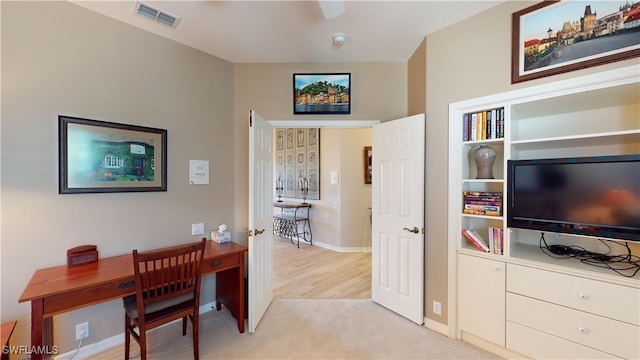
(308, 329)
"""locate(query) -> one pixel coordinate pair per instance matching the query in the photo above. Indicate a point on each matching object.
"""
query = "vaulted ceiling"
(297, 31)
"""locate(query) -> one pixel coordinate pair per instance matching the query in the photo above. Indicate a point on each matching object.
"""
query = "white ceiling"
(265, 31)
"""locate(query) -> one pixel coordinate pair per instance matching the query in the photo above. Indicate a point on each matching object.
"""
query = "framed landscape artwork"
(555, 37)
(322, 93)
(100, 157)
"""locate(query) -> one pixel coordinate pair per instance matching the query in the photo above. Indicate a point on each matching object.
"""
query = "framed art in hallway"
(322, 93)
(368, 158)
(104, 157)
(554, 37)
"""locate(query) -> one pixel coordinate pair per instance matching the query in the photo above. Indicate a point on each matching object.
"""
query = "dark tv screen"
(593, 196)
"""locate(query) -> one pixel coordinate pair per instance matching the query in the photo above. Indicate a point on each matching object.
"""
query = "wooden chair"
(167, 285)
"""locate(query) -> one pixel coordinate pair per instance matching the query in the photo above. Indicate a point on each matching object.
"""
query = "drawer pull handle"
(497, 268)
(583, 329)
(216, 263)
(583, 296)
(126, 285)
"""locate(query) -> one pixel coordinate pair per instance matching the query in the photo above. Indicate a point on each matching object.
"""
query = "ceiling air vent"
(156, 14)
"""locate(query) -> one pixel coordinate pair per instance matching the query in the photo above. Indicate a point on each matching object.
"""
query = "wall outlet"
(82, 330)
(437, 308)
(197, 229)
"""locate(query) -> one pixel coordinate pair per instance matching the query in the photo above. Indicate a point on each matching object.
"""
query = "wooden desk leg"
(37, 322)
(41, 332)
(230, 292)
(241, 296)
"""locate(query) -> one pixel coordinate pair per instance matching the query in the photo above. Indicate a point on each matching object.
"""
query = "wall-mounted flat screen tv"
(592, 196)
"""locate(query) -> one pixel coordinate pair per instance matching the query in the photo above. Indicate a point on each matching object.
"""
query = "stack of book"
(483, 125)
(482, 203)
(495, 245)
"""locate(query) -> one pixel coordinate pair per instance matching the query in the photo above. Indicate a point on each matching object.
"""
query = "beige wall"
(58, 58)
(458, 67)
(355, 195)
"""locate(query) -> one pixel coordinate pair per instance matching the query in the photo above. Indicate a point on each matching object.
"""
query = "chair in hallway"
(167, 283)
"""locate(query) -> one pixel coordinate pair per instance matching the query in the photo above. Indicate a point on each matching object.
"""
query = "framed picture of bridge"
(554, 37)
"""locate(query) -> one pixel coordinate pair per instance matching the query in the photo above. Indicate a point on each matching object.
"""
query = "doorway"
(340, 220)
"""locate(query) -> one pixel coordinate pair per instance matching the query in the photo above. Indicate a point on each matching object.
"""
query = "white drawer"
(596, 297)
(597, 332)
(539, 345)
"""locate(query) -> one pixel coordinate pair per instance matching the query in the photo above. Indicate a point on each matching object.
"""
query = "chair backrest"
(168, 273)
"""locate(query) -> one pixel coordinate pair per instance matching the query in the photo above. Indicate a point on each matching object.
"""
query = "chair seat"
(131, 307)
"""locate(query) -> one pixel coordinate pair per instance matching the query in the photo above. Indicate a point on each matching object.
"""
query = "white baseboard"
(436, 326)
(88, 351)
(340, 249)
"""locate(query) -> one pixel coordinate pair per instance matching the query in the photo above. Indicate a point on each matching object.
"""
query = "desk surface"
(59, 280)
(289, 205)
(7, 330)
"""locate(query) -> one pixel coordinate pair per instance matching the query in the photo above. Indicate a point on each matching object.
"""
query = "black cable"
(616, 263)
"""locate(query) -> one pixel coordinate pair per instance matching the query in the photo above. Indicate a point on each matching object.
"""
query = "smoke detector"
(339, 39)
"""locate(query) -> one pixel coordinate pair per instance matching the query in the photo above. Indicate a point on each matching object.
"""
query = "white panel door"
(398, 216)
(260, 264)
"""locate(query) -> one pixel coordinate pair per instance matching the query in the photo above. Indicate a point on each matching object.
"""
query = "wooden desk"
(60, 289)
(7, 330)
(285, 223)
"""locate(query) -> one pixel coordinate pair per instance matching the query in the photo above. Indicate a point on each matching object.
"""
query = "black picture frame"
(544, 41)
(105, 157)
(322, 93)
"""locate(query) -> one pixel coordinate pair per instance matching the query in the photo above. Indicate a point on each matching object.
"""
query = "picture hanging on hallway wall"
(555, 37)
(298, 162)
(100, 157)
(322, 93)
(368, 169)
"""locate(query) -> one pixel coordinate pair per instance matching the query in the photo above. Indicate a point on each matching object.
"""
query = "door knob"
(414, 230)
(258, 232)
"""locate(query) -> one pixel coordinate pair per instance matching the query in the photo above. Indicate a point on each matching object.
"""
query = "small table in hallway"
(292, 222)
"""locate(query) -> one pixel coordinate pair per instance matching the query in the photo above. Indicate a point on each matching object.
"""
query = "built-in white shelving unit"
(523, 301)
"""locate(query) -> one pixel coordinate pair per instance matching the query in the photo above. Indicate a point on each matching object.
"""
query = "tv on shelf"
(591, 196)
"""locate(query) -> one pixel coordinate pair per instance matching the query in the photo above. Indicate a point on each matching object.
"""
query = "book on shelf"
(481, 212)
(482, 207)
(492, 202)
(496, 240)
(483, 125)
(473, 127)
(483, 193)
(465, 128)
(474, 237)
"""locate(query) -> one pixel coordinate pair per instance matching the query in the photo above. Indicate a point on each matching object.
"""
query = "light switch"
(334, 177)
